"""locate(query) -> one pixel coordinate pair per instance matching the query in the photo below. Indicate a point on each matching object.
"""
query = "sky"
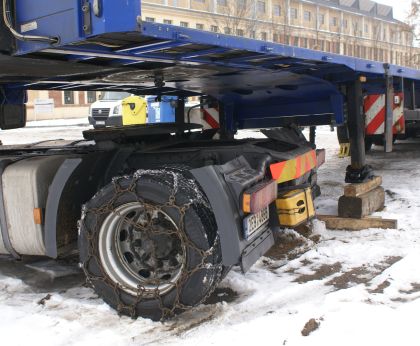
(401, 7)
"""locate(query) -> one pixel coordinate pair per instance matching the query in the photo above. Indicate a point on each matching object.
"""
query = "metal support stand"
(413, 103)
(312, 135)
(358, 171)
(180, 116)
(389, 110)
(227, 116)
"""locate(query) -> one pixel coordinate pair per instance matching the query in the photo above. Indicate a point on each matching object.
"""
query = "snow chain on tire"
(206, 262)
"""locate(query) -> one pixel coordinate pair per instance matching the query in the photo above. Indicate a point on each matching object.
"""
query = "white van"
(107, 111)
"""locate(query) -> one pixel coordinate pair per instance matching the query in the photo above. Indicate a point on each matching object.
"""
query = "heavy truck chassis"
(160, 213)
(158, 217)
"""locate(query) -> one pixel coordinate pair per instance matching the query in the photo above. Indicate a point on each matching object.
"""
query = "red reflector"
(259, 196)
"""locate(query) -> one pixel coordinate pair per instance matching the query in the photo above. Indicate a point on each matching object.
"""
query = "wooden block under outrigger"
(353, 224)
(361, 200)
(355, 190)
(362, 205)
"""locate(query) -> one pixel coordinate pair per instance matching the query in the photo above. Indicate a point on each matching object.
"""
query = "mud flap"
(256, 249)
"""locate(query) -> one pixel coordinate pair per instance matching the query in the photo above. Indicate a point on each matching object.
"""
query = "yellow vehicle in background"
(118, 109)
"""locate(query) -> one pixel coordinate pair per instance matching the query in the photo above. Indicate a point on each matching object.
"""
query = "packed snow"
(354, 288)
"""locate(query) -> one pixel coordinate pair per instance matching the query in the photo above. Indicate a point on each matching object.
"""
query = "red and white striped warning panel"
(208, 117)
(211, 118)
(374, 108)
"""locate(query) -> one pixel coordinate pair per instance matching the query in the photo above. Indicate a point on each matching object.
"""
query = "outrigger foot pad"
(357, 176)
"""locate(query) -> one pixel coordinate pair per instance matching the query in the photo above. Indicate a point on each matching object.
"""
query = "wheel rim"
(141, 249)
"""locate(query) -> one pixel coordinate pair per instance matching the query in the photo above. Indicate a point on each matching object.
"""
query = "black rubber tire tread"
(200, 227)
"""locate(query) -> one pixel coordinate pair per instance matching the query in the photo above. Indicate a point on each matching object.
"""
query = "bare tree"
(376, 39)
(235, 17)
(413, 34)
(286, 24)
(413, 19)
(354, 34)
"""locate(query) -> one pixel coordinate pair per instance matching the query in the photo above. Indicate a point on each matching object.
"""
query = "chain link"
(209, 259)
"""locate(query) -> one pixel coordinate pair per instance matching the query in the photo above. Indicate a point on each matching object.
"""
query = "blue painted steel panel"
(65, 19)
(182, 34)
(260, 83)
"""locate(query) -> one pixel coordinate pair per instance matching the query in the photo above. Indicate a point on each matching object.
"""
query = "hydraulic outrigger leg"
(358, 171)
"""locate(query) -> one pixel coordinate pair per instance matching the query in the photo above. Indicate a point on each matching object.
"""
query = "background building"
(54, 104)
(360, 28)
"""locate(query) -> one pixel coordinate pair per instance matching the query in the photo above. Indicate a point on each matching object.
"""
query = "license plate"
(254, 222)
(100, 123)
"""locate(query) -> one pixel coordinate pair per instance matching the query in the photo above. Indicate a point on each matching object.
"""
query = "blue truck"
(160, 212)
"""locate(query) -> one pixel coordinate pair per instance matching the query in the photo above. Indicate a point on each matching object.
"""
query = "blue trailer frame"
(261, 84)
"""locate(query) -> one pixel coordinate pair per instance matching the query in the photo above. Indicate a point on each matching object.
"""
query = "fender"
(76, 181)
(224, 200)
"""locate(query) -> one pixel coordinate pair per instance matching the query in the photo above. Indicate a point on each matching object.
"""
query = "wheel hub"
(141, 249)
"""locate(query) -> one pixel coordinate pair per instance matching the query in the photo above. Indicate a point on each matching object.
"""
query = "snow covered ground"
(363, 288)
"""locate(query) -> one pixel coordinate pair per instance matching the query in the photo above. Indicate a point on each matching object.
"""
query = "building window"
(200, 1)
(276, 10)
(334, 21)
(337, 48)
(312, 43)
(252, 34)
(227, 30)
(91, 96)
(328, 46)
(241, 4)
(366, 28)
(345, 24)
(199, 26)
(150, 19)
(239, 32)
(276, 38)
(222, 2)
(304, 42)
(293, 13)
(321, 19)
(183, 24)
(356, 31)
(68, 97)
(307, 16)
(375, 32)
(167, 21)
(261, 6)
(296, 41)
(264, 36)
(214, 28)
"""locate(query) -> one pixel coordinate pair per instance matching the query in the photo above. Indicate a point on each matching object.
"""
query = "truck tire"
(149, 245)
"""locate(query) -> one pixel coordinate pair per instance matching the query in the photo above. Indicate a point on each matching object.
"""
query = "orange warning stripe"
(294, 168)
